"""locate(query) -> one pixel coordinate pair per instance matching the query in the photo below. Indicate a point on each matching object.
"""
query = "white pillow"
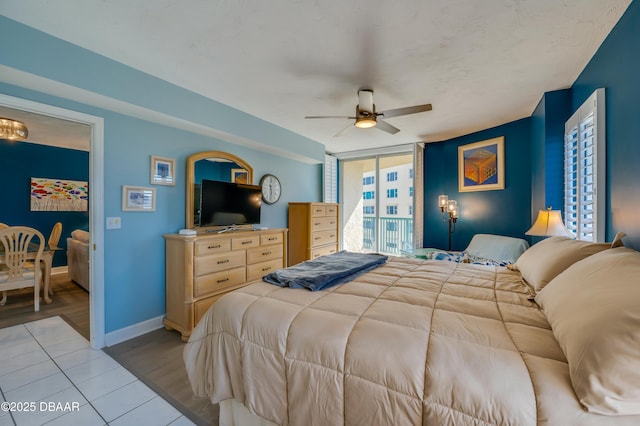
(546, 259)
(496, 247)
(594, 311)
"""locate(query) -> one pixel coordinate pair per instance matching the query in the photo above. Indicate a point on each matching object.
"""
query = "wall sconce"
(449, 209)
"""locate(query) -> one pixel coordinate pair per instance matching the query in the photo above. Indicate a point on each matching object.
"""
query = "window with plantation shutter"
(330, 179)
(584, 170)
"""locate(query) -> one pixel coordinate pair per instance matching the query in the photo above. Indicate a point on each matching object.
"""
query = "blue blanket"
(325, 271)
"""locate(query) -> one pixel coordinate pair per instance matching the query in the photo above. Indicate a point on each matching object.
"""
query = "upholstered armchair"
(78, 257)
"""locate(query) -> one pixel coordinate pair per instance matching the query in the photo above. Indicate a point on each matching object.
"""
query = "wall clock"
(271, 188)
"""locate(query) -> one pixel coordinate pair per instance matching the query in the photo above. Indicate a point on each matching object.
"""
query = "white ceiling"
(480, 63)
(51, 131)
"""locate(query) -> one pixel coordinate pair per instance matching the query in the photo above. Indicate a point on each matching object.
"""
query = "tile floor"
(47, 367)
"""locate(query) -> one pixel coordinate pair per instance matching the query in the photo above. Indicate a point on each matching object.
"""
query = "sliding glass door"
(377, 203)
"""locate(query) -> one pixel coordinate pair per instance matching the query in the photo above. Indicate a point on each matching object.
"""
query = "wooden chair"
(47, 259)
(17, 270)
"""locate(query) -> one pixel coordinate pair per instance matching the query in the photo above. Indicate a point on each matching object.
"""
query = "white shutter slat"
(330, 183)
(584, 168)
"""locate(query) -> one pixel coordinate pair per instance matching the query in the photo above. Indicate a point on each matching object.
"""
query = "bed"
(551, 340)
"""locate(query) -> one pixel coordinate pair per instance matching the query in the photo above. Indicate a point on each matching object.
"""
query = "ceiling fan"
(366, 115)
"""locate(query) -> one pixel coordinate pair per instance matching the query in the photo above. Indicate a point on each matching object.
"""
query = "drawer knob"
(316, 238)
(317, 223)
(332, 235)
(220, 262)
(273, 238)
(246, 242)
(268, 268)
(216, 246)
(223, 280)
(266, 253)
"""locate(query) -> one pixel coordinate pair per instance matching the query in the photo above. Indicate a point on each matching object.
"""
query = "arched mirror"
(212, 165)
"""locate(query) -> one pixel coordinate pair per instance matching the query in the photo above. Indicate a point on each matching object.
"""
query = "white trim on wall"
(96, 203)
(134, 330)
(65, 91)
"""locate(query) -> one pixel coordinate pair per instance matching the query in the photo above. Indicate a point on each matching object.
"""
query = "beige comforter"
(412, 342)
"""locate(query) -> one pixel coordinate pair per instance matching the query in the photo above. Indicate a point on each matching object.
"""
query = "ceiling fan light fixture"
(366, 122)
(13, 130)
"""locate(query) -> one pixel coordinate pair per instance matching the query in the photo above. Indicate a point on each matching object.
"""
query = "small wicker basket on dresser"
(313, 231)
(201, 269)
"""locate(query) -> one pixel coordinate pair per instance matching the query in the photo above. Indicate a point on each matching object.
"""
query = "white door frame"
(96, 204)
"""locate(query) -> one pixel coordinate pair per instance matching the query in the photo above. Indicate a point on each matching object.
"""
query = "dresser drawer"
(260, 254)
(218, 281)
(201, 306)
(317, 211)
(323, 223)
(269, 239)
(238, 243)
(320, 238)
(324, 251)
(212, 246)
(218, 262)
(331, 211)
(257, 271)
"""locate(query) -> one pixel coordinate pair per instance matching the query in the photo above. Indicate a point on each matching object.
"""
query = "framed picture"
(481, 165)
(138, 199)
(239, 176)
(59, 195)
(163, 171)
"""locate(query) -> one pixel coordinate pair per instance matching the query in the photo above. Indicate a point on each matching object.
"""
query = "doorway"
(378, 203)
(96, 215)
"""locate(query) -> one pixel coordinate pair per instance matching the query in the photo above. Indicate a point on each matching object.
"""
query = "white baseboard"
(132, 331)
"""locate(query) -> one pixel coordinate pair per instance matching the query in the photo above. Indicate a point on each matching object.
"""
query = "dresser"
(313, 231)
(200, 269)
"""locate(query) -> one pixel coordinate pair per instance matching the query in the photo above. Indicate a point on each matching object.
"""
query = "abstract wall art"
(59, 195)
(481, 165)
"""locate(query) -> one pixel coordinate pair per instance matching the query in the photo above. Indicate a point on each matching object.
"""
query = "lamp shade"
(442, 201)
(549, 224)
(452, 208)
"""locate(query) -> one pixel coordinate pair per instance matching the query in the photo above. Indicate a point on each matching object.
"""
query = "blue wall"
(547, 150)
(134, 254)
(504, 212)
(616, 67)
(213, 171)
(19, 162)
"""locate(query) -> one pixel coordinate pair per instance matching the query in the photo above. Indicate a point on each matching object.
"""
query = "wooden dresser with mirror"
(201, 268)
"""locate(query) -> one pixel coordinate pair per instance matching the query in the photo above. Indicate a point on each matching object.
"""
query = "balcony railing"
(395, 234)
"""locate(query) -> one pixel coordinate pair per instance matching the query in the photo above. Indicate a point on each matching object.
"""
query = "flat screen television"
(229, 204)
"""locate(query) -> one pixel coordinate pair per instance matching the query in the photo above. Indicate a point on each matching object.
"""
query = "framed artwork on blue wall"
(481, 165)
(163, 171)
(62, 195)
(138, 199)
(239, 176)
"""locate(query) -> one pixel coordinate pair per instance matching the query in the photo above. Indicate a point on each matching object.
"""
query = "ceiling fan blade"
(330, 116)
(386, 127)
(405, 111)
(343, 131)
